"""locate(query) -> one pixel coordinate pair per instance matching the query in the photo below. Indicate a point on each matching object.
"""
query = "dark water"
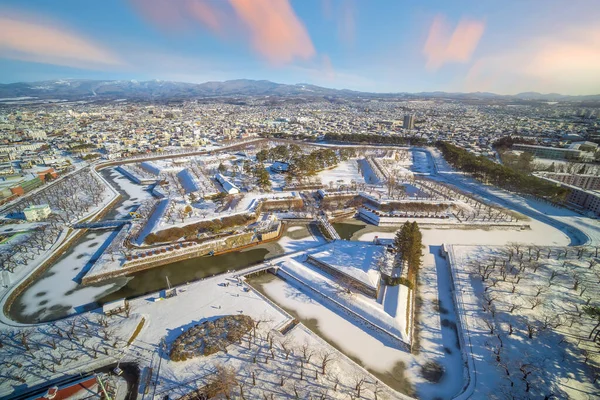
(346, 230)
(154, 279)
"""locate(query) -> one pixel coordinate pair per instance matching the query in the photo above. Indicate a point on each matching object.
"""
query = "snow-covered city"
(283, 269)
(299, 199)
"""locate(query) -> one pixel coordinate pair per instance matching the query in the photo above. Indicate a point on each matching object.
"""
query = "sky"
(499, 46)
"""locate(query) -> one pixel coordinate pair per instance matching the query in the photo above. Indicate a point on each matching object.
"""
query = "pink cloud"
(275, 31)
(565, 60)
(166, 14)
(25, 39)
(443, 46)
(347, 23)
(210, 16)
(272, 28)
(178, 15)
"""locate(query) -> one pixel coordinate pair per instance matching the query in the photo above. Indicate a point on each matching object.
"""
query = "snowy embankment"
(153, 220)
(581, 230)
(354, 259)
(151, 167)
(390, 321)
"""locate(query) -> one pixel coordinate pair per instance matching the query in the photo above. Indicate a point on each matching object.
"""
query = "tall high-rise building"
(409, 122)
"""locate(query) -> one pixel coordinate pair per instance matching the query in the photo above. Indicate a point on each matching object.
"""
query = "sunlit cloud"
(180, 15)
(212, 17)
(563, 61)
(26, 39)
(271, 27)
(347, 22)
(275, 30)
(444, 46)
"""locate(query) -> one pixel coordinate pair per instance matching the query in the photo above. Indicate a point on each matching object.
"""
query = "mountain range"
(83, 89)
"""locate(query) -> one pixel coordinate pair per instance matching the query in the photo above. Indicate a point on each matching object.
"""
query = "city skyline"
(381, 46)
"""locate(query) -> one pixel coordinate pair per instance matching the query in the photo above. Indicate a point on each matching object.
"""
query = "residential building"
(409, 122)
(585, 200)
(36, 213)
(553, 153)
(583, 181)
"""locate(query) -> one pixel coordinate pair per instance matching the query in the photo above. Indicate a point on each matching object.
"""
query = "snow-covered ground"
(207, 300)
(437, 327)
(343, 173)
(524, 321)
(58, 292)
(421, 162)
(376, 352)
(33, 356)
(137, 194)
(368, 174)
(359, 261)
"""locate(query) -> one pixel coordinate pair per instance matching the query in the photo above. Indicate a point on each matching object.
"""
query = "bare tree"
(530, 330)
(514, 307)
(536, 301)
(576, 280)
(223, 381)
(286, 346)
(307, 353)
(490, 324)
(326, 358)
(359, 382)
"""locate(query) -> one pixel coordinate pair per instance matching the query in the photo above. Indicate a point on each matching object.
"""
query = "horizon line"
(296, 84)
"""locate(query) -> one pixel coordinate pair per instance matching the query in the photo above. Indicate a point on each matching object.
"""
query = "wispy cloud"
(180, 15)
(271, 27)
(445, 46)
(565, 60)
(347, 22)
(25, 38)
(275, 30)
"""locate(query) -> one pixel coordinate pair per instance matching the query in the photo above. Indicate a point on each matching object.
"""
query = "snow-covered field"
(33, 356)
(524, 316)
(421, 163)
(57, 293)
(545, 303)
(356, 260)
(344, 173)
(208, 299)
